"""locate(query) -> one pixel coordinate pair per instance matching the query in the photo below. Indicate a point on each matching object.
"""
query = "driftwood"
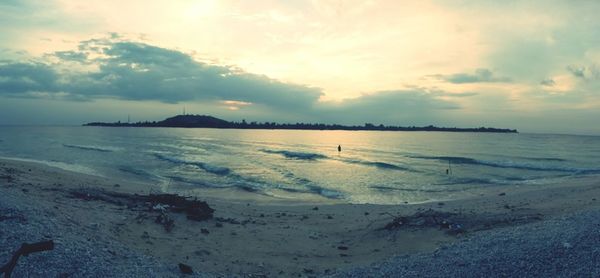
(194, 209)
(185, 269)
(428, 218)
(25, 250)
(459, 223)
(8, 178)
(162, 203)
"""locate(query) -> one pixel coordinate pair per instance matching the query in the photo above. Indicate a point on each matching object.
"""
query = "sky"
(529, 65)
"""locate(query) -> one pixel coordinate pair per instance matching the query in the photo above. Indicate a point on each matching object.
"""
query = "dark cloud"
(22, 78)
(126, 70)
(548, 82)
(479, 76)
(415, 106)
(137, 71)
(590, 72)
(462, 95)
(75, 56)
(577, 71)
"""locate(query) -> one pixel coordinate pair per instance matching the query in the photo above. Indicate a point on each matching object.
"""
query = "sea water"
(381, 167)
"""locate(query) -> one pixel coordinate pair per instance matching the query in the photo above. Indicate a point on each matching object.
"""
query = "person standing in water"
(339, 148)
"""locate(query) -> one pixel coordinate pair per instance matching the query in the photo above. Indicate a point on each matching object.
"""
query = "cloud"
(415, 106)
(23, 78)
(114, 68)
(548, 82)
(137, 71)
(577, 71)
(235, 105)
(74, 56)
(479, 76)
(585, 72)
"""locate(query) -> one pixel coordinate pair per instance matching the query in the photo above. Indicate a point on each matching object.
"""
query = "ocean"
(379, 167)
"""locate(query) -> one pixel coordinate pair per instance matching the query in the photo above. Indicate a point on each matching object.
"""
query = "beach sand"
(259, 236)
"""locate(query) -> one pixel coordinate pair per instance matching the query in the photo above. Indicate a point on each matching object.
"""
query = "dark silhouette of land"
(203, 121)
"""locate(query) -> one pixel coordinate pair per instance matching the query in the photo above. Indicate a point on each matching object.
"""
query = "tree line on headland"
(203, 121)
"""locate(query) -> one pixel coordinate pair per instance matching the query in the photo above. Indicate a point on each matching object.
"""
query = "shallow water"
(373, 166)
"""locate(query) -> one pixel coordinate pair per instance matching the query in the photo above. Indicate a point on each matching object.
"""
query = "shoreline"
(262, 236)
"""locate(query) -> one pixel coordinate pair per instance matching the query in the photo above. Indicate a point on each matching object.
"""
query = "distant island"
(203, 121)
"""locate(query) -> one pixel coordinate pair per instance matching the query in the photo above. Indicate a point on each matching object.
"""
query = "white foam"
(61, 165)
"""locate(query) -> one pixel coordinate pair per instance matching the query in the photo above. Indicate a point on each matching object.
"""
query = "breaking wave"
(296, 155)
(91, 148)
(138, 172)
(389, 188)
(217, 170)
(378, 164)
(507, 164)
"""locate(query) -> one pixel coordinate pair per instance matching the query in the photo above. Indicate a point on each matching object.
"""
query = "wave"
(315, 189)
(296, 155)
(389, 188)
(378, 164)
(91, 148)
(546, 159)
(197, 183)
(138, 172)
(217, 170)
(327, 193)
(478, 181)
(310, 187)
(506, 164)
(589, 172)
(58, 164)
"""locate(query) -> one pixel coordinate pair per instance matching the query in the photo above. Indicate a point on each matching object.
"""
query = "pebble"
(531, 250)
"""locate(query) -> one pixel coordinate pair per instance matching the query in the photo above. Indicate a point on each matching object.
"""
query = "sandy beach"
(248, 235)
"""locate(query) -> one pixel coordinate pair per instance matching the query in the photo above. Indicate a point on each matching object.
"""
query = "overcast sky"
(530, 65)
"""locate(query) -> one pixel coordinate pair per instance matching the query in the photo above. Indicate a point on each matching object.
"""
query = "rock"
(204, 231)
(315, 208)
(341, 247)
(455, 229)
(502, 194)
(420, 222)
(185, 269)
(165, 220)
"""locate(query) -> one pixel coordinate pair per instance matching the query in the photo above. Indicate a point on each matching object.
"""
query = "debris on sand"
(8, 178)
(194, 209)
(158, 203)
(25, 250)
(185, 269)
(165, 220)
(459, 223)
(428, 218)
